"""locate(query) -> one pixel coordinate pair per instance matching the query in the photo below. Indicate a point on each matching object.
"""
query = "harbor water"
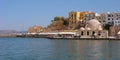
(48, 49)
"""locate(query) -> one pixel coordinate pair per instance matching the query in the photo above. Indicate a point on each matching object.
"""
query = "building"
(114, 30)
(89, 16)
(112, 17)
(116, 22)
(101, 18)
(76, 17)
(93, 33)
(119, 34)
(80, 16)
(93, 28)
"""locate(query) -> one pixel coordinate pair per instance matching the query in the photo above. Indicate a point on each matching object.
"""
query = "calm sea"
(46, 49)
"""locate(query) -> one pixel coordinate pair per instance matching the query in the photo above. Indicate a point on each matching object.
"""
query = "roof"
(82, 28)
(94, 24)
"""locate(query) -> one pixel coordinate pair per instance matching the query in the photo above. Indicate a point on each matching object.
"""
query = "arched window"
(82, 33)
(99, 33)
(93, 32)
(87, 32)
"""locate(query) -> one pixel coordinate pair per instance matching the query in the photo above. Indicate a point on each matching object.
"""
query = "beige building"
(101, 18)
(93, 28)
(93, 33)
(80, 16)
(89, 16)
(114, 30)
(75, 17)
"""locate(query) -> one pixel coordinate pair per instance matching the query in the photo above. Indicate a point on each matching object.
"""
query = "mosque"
(93, 29)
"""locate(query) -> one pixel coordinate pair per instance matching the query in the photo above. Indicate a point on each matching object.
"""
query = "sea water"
(47, 49)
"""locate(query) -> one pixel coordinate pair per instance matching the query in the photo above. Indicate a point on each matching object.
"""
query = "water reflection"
(114, 50)
(45, 49)
(80, 50)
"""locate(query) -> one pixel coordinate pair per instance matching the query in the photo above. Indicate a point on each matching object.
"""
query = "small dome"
(94, 24)
(88, 28)
(119, 33)
(82, 28)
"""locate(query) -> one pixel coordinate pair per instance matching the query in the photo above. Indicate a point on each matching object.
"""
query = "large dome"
(94, 24)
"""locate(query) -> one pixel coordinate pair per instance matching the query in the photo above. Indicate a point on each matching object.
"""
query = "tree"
(59, 23)
(107, 26)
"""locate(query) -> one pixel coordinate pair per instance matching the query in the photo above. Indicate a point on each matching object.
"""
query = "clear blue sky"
(21, 14)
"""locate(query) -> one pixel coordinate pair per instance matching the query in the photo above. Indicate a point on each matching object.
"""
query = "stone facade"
(93, 29)
(93, 33)
(114, 30)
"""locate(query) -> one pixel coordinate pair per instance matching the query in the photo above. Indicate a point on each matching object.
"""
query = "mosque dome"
(94, 24)
(82, 28)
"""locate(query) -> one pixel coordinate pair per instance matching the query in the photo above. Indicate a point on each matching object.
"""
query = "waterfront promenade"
(51, 36)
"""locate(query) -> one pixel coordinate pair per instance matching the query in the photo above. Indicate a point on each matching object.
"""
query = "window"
(112, 15)
(112, 19)
(82, 33)
(87, 32)
(109, 15)
(99, 33)
(103, 21)
(118, 21)
(85, 18)
(93, 32)
(117, 15)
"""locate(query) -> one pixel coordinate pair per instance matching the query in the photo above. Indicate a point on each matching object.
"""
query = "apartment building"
(75, 17)
(112, 18)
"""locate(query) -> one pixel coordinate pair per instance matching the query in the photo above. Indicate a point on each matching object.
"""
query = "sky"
(22, 14)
